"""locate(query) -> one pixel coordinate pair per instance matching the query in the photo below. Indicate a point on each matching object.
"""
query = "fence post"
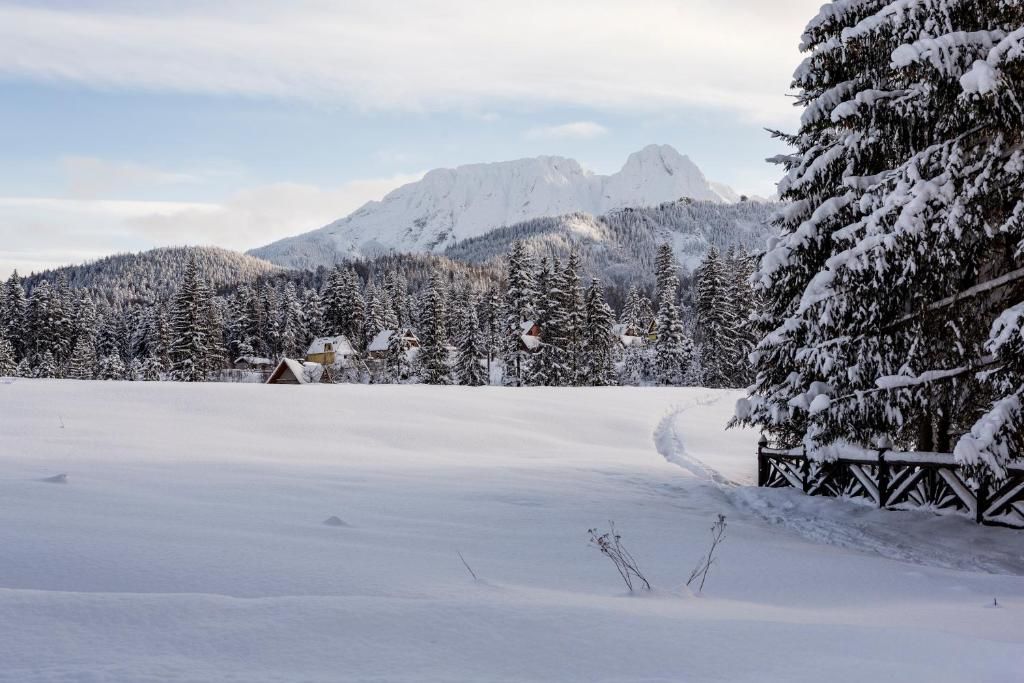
(762, 461)
(884, 445)
(980, 500)
(883, 479)
(805, 466)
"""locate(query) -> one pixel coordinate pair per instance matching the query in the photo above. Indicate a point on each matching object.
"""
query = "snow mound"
(334, 520)
(56, 479)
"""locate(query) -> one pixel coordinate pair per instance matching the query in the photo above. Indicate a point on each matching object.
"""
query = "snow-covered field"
(188, 543)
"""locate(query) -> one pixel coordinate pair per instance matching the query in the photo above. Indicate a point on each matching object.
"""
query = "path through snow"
(916, 537)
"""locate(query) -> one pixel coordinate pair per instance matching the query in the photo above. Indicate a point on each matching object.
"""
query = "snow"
(193, 540)
(448, 205)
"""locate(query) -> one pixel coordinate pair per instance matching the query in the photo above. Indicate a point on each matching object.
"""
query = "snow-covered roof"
(527, 325)
(254, 360)
(380, 342)
(383, 338)
(627, 334)
(296, 368)
(312, 372)
(339, 343)
(530, 342)
(304, 372)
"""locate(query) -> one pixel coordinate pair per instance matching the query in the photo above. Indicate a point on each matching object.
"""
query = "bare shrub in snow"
(610, 545)
(706, 562)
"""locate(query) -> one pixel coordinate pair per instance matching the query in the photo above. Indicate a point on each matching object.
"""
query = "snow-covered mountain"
(450, 205)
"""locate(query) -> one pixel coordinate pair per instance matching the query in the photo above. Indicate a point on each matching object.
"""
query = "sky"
(127, 125)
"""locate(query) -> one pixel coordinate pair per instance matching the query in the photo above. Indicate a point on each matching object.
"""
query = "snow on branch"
(989, 443)
(984, 76)
(946, 52)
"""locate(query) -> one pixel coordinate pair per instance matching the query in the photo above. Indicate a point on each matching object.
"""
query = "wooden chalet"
(255, 363)
(332, 351)
(629, 335)
(378, 347)
(530, 339)
(291, 371)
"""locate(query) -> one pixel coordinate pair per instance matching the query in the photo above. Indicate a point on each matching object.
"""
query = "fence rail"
(897, 481)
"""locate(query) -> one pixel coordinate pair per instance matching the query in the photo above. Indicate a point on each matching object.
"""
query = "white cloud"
(408, 54)
(87, 229)
(90, 177)
(578, 129)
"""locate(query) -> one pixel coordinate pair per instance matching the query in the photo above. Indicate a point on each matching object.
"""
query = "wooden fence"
(897, 481)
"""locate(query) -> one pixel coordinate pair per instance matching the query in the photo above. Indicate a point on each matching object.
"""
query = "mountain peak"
(448, 205)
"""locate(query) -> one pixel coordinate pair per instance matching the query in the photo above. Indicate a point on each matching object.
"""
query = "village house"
(530, 337)
(627, 335)
(333, 351)
(378, 348)
(254, 363)
(291, 371)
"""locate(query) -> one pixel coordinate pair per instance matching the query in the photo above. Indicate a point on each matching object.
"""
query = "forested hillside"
(620, 246)
(155, 274)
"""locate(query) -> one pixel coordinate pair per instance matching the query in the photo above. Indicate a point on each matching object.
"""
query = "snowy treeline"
(895, 295)
(467, 320)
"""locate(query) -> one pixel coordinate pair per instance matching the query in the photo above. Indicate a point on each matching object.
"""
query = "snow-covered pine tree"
(468, 369)
(433, 354)
(549, 367)
(111, 368)
(490, 317)
(716, 327)
(745, 302)
(24, 368)
(189, 346)
(213, 311)
(396, 360)
(896, 286)
(86, 321)
(8, 364)
(292, 325)
(238, 323)
(16, 315)
(353, 307)
(152, 368)
(636, 310)
(376, 315)
(83, 359)
(666, 274)
(575, 315)
(41, 334)
(629, 306)
(519, 308)
(397, 288)
(335, 316)
(598, 343)
(134, 370)
(45, 365)
(313, 311)
(645, 314)
(673, 349)
(635, 368)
